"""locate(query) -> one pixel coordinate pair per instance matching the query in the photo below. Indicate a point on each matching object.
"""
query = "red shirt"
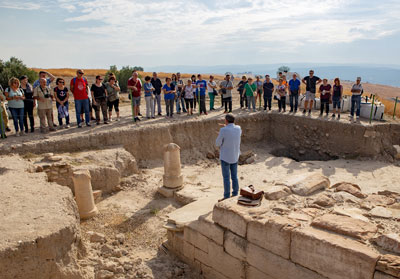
(327, 88)
(79, 85)
(138, 84)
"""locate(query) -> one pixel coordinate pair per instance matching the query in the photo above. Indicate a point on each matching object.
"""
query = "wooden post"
(394, 110)
(372, 109)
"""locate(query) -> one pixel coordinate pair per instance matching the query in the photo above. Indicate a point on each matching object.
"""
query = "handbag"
(215, 92)
(251, 193)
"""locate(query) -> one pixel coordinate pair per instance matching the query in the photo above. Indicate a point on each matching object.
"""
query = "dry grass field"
(384, 93)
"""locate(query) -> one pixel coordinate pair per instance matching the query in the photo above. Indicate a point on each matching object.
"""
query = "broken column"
(172, 178)
(84, 194)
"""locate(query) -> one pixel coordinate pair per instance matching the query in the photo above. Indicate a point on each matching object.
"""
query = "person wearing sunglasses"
(62, 96)
(78, 87)
(311, 82)
(99, 97)
(29, 103)
(15, 97)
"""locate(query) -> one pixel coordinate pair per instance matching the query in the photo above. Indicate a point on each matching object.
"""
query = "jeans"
(60, 121)
(267, 101)
(228, 103)
(28, 113)
(18, 118)
(324, 103)
(101, 104)
(282, 103)
(230, 171)
(355, 101)
(212, 98)
(243, 99)
(203, 104)
(169, 107)
(180, 103)
(157, 101)
(294, 97)
(149, 106)
(80, 107)
(251, 101)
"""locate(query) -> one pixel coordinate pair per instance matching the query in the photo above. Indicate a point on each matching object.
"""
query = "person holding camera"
(226, 92)
(45, 98)
(99, 97)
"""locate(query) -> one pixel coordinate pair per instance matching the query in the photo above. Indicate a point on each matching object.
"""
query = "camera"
(47, 95)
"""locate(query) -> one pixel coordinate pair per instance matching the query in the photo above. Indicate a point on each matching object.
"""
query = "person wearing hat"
(356, 91)
(78, 87)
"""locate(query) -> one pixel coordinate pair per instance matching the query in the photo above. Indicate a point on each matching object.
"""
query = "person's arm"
(93, 100)
(341, 92)
(71, 85)
(220, 139)
(116, 87)
(304, 81)
(106, 92)
(319, 81)
(51, 77)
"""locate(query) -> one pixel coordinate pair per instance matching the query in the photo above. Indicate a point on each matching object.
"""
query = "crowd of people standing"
(180, 96)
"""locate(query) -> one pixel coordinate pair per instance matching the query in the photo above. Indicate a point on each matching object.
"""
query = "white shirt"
(228, 141)
(209, 88)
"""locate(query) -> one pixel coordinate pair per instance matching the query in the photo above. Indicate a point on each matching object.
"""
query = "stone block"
(276, 192)
(254, 273)
(272, 234)
(210, 273)
(166, 192)
(202, 257)
(389, 264)
(307, 184)
(206, 226)
(331, 255)
(346, 225)
(224, 263)
(235, 245)
(276, 266)
(188, 251)
(389, 242)
(195, 238)
(381, 275)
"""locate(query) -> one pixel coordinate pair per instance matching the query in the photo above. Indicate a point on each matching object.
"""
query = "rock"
(353, 212)
(345, 197)
(381, 212)
(96, 237)
(389, 264)
(305, 185)
(54, 158)
(244, 156)
(345, 225)
(39, 169)
(389, 242)
(120, 237)
(397, 150)
(106, 249)
(104, 274)
(350, 188)
(376, 200)
(276, 192)
(110, 266)
(210, 155)
(324, 201)
(97, 195)
(299, 216)
(250, 160)
(46, 156)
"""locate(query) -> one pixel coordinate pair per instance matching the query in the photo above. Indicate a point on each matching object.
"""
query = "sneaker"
(338, 117)
(88, 124)
(206, 113)
(54, 125)
(106, 122)
(333, 115)
(304, 111)
(159, 114)
(8, 129)
(17, 134)
(97, 123)
(32, 130)
(139, 114)
(295, 111)
(178, 112)
(118, 119)
(67, 126)
(26, 131)
(110, 119)
(52, 129)
(320, 115)
(291, 111)
(80, 125)
(22, 133)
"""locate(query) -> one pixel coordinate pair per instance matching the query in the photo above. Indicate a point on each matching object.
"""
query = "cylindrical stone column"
(84, 194)
(172, 166)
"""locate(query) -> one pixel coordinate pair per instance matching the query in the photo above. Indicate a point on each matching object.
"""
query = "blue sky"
(100, 33)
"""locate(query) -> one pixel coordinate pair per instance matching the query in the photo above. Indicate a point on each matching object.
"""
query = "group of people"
(104, 96)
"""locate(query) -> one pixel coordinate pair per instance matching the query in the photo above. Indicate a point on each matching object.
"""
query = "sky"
(150, 33)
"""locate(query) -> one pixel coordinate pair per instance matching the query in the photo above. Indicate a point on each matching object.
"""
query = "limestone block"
(377, 200)
(254, 273)
(389, 242)
(346, 225)
(235, 245)
(104, 178)
(397, 149)
(166, 192)
(188, 251)
(272, 234)
(210, 273)
(345, 197)
(195, 238)
(381, 275)
(307, 184)
(276, 266)
(202, 257)
(381, 212)
(172, 166)
(350, 188)
(389, 264)
(84, 194)
(331, 255)
(324, 201)
(276, 192)
(206, 226)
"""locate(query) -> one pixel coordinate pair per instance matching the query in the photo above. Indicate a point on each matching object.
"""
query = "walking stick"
(394, 110)
(372, 109)
(2, 124)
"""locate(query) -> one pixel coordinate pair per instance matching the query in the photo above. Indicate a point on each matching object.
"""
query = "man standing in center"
(228, 141)
(311, 82)
(201, 91)
(294, 91)
(78, 87)
(157, 84)
(135, 86)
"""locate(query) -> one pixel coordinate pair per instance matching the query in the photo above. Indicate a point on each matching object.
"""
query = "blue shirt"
(228, 141)
(147, 89)
(202, 85)
(294, 84)
(169, 96)
(37, 83)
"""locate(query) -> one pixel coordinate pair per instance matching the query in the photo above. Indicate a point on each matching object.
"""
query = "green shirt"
(250, 89)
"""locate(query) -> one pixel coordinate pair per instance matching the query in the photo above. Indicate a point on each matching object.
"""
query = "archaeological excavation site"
(138, 201)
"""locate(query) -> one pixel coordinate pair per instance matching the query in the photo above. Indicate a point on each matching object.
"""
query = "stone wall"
(297, 133)
(240, 242)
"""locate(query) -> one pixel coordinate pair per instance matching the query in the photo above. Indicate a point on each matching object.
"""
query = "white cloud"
(19, 5)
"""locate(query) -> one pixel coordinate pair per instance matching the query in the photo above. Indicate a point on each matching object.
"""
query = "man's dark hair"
(230, 118)
(41, 72)
(147, 78)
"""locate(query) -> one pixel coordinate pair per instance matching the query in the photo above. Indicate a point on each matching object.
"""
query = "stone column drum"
(172, 166)
(84, 194)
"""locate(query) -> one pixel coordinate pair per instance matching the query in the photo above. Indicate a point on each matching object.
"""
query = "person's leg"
(87, 110)
(187, 105)
(147, 100)
(31, 118)
(183, 104)
(152, 111)
(305, 105)
(248, 102)
(353, 105)
(49, 116)
(116, 107)
(167, 107)
(280, 105)
(60, 122)
(104, 110)
(97, 111)
(291, 97)
(225, 175)
(321, 109)
(172, 107)
(159, 104)
(253, 102)
(211, 96)
(14, 114)
(20, 115)
(203, 104)
(241, 98)
(296, 101)
(66, 105)
(225, 103)
(42, 117)
(230, 104)
(358, 103)
(327, 107)
(191, 105)
(284, 103)
(311, 105)
(177, 103)
(78, 110)
(26, 117)
(235, 181)
(5, 115)
(269, 102)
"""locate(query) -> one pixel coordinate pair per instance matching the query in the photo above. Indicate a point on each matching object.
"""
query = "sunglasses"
(61, 82)
(80, 73)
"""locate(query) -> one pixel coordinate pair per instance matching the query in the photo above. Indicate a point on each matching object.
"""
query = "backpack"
(84, 79)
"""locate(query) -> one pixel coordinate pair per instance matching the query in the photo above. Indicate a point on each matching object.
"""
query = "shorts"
(114, 104)
(336, 102)
(136, 101)
(310, 96)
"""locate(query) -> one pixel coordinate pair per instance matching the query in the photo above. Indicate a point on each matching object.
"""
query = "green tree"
(283, 69)
(14, 68)
(123, 75)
